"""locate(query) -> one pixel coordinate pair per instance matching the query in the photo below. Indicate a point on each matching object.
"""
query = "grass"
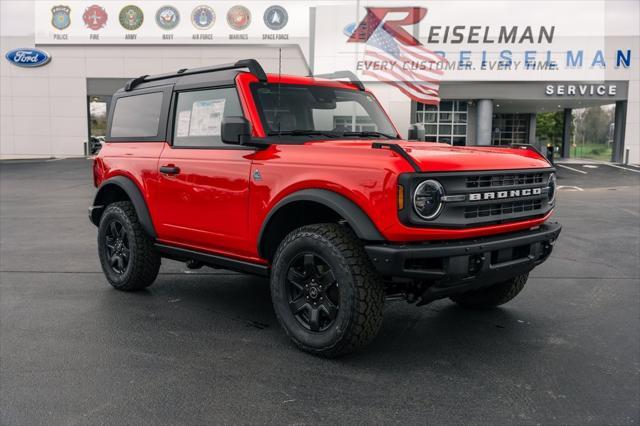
(593, 151)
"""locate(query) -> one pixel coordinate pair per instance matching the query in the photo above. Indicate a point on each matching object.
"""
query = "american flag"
(412, 69)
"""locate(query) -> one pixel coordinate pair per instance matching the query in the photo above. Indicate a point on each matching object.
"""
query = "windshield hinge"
(398, 150)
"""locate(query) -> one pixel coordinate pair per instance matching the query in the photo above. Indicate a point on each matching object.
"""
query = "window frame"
(161, 136)
(173, 110)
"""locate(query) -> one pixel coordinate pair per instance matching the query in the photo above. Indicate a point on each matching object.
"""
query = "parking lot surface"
(205, 346)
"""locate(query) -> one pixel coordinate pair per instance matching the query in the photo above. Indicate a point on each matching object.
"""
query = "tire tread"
(146, 264)
(369, 293)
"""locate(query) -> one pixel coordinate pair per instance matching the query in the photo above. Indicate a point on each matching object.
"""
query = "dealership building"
(504, 67)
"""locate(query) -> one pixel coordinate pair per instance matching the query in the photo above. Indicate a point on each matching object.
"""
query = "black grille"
(500, 205)
(500, 209)
(488, 181)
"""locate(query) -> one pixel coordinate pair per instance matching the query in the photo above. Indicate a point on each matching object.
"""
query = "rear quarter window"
(137, 116)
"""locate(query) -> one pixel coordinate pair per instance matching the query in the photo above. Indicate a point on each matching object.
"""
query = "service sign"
(28, 57)
(166, 22)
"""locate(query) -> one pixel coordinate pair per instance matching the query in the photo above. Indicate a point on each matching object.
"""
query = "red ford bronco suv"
(307, 181)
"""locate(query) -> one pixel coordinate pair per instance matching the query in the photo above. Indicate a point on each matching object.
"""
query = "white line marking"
(572, 169)
(574, 188)
(623, 168)
(631, 212)
(589, 166)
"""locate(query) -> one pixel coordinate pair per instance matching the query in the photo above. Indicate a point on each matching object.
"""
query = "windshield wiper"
(304, 133)
(369, 134)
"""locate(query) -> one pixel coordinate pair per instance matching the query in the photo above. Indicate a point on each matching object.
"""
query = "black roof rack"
(254, 67)
(343, 74)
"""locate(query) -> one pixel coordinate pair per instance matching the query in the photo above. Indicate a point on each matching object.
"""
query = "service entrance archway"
(501, 113)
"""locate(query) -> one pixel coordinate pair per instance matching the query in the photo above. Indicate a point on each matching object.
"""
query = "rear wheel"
(126, 253)
(326, 294)
(493, 296)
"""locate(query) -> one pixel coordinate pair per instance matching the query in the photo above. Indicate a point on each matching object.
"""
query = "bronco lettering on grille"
(514, 193)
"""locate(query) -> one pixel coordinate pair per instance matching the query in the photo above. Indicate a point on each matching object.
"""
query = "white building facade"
(55, 109)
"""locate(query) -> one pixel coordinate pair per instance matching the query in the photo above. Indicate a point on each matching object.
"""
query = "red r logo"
(375, 16)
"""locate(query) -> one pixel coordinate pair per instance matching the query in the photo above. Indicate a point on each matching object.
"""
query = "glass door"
(510, 128)
(97, 108)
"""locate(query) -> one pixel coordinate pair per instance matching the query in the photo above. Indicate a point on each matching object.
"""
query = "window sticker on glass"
(206, 117)
(184, 119)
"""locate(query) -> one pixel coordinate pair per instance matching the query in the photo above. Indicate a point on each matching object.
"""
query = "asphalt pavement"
(205, 346)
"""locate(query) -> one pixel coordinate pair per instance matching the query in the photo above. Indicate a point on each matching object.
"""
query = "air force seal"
(276, 17)
(131, 17)
(167, 17)
(203, 17)
(60, 17)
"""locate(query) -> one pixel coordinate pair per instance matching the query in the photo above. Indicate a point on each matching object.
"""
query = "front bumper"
(459, 266)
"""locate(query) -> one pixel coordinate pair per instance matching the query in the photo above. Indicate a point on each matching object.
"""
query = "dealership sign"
(490, 41)
(28, 58)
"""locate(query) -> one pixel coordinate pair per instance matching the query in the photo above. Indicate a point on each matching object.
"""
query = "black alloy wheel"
(326, 293)
(312, 291)
(117, 247)
(126, 252)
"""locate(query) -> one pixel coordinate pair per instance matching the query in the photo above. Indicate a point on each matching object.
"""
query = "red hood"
(444, 157)
(435, 157)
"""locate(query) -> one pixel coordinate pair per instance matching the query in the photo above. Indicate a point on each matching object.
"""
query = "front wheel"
(325, 292)
(497, 294)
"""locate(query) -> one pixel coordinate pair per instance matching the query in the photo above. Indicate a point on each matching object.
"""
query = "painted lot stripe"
(572, 169)
(623, 168)
(570, 188)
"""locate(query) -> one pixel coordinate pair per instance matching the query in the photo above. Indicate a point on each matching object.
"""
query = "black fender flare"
(134, 194)
(357, 219)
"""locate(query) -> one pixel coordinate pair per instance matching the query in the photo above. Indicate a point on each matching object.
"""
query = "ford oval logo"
(28, 57)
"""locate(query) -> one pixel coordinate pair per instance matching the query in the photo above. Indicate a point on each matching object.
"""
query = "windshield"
(319, 111)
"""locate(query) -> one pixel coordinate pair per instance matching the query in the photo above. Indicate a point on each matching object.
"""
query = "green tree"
(592, 125)
(549, 127)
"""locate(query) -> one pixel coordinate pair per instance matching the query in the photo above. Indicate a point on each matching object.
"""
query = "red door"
(202, 194)
(203, 201)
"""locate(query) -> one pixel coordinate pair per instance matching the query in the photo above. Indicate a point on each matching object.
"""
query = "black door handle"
(170, 170)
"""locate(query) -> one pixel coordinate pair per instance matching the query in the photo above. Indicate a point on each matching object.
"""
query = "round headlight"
(427, 199)
(551, 191)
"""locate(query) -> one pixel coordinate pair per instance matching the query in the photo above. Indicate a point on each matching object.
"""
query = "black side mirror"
(236, 131)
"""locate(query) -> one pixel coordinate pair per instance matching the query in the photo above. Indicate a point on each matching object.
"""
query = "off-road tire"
(493, 296)
(144, 262)
(360, 287)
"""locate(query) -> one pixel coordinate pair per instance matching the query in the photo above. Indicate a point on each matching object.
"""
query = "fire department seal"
(239, 18)
(167, 17)
(276, 17)
(131, 17)
(203, 17)
(61, 17)
(95, 17)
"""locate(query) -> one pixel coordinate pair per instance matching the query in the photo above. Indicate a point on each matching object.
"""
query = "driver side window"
(199, 115)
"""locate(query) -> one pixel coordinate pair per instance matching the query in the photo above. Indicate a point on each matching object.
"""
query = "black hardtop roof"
(221, 78)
